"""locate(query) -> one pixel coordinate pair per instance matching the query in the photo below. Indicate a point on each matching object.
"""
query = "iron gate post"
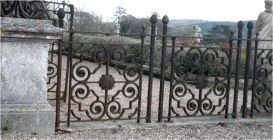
(140, 72)
(254, 75)
(229, 71)
(165, 21)
(153, 20)
(240, 26)
(247, 70)
(171, 79)
(59, 80)
(67, 64)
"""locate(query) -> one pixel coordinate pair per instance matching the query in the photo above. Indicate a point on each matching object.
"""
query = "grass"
(7, 128)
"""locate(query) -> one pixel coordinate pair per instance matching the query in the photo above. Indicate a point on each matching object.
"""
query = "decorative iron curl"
(268, 104)
(192, 107)
(117, 53)
(131, 73)
(194, 56)
(220, 89)
(97, 110)
(114, 110)
(81, 91)
(130, 90)
(180, 90)
(23, 9)
(80, 72)
(210, 56)
(206, 105)
(51, 70)
(180, 73)
(100, 54)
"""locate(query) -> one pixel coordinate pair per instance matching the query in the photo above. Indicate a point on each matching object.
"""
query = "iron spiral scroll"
(104, 90)
(262, 89)
(199, 82)
(23, 9)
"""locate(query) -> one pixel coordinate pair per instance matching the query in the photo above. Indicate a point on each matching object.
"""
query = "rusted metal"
(240, 26)
(230, 54)
(247, 67)
(165, 21)
(153, 20)
(142, 36)
(59, 83)
(70, 39)
(23, 9)
(198, 76)
(107, 82)
(201, 82)
(171, 79)
(254, 75)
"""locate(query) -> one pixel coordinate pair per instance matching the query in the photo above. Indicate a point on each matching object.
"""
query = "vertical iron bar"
(248, 47)
(229, 72)
(61, 15)
(153, 20)
(171, 79)
(70, 40)
(108, 57)
(165, 21)
(140, 73)
(51, 52)
(70, 57)
(240, 26)
(59, 80)
(254, 75)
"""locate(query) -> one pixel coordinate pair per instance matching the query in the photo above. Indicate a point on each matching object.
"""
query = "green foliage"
(7, 128)
(222, 31)
(119, 13)
(242, 64)
(131, 24)
(198, 69)
(181, 31)
(155, 13)
(91, 22)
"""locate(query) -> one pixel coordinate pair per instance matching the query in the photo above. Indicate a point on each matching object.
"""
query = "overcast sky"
(217, 10)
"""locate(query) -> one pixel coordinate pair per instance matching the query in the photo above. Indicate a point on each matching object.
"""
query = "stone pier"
(24, 60)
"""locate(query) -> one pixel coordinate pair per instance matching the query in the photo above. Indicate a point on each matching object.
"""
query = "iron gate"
(115, 81)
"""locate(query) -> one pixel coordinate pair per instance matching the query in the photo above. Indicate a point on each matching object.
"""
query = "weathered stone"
(24, 56)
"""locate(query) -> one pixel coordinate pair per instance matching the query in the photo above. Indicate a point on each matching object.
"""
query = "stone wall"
(24, 60)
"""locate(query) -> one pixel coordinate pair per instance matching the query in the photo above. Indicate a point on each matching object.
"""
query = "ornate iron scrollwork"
(23, 9)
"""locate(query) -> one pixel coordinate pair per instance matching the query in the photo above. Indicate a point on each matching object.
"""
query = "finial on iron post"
(165, 20)
(153, 19)
(249, 28)
(250, 25)
(240, 24)
(61, 15)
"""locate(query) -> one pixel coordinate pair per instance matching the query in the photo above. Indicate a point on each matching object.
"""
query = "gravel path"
(219, 131)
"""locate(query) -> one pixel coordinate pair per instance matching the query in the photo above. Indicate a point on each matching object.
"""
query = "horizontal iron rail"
(102, 120)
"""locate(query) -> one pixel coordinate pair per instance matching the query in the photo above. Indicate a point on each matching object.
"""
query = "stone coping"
(29, 28)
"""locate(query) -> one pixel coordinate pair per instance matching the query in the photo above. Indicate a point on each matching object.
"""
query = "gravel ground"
(218, 131)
